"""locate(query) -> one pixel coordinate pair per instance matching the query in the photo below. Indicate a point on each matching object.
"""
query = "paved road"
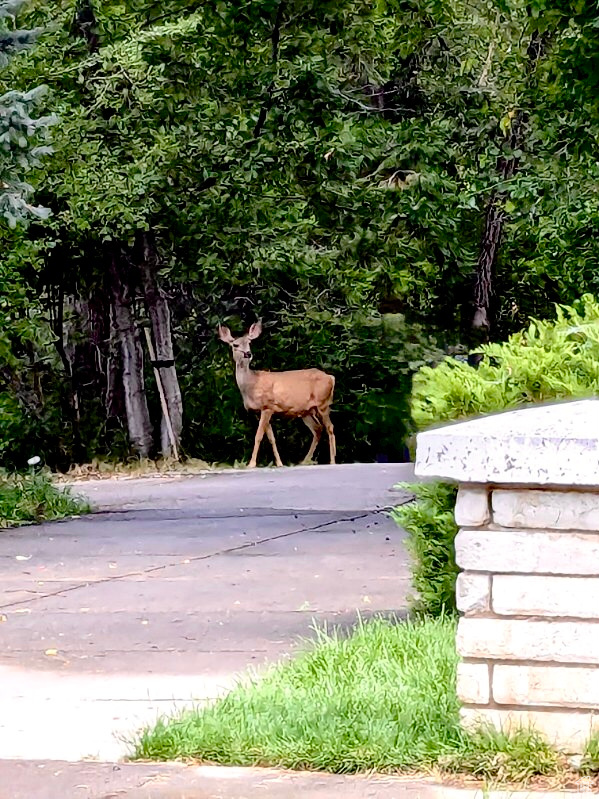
(109, 620)
(351, 487)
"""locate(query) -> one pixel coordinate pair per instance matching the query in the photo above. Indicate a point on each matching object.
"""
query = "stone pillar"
(528, 550)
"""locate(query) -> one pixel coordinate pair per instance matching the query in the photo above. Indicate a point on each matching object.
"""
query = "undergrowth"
(34, 498)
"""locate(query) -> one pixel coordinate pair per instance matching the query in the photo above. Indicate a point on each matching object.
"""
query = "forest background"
(384, 183)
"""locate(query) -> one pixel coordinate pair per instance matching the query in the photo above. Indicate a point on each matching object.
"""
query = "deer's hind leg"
(315, 426)
(273, 443)
(263, 426)
(325, 415)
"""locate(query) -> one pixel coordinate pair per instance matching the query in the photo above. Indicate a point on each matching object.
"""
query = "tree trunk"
(275, 39)
(115, 395)
(67, 361)
(160, 318)
(483, 282)
(495, 215)
(123, 320)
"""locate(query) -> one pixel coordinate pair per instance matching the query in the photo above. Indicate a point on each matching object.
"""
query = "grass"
(383, 700)
(33, 498)
(332, 709)
(590, 758)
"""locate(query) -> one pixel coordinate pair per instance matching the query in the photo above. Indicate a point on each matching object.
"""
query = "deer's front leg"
(262, 425)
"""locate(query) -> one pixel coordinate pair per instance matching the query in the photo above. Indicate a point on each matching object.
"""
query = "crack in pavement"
(133, 514)
(185, 561)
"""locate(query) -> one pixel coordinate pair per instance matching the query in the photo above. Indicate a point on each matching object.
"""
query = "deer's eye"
(235, 346)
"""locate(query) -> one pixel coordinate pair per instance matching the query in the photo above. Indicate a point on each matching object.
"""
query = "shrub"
(547, 361)
(431, 529)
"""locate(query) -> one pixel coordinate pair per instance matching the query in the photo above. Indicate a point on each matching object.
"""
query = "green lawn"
(382, 699)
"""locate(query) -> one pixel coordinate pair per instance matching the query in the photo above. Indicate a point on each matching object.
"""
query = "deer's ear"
(255, 329)
(225, 334)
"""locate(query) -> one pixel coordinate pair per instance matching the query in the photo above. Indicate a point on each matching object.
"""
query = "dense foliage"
(351, 172)
(546, 361)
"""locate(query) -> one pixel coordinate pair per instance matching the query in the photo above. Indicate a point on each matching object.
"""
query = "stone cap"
(539, 445)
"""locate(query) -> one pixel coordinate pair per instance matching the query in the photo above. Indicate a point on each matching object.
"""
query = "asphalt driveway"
(109, 620)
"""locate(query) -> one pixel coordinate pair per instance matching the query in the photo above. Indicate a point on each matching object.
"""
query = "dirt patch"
(101, 470)
(567, 781)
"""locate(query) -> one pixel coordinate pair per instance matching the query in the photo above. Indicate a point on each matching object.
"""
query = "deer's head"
(240, 347)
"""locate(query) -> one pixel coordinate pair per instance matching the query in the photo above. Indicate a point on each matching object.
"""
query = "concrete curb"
(51, 779)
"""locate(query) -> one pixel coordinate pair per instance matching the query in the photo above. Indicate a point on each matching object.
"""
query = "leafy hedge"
(432, 530)
(549, 360)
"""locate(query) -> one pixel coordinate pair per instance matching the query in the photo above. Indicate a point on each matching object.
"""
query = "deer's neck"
(246, 380)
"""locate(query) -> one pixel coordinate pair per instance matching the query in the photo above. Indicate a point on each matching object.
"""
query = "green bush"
(549, 360)
(33, 498)
(431, 529)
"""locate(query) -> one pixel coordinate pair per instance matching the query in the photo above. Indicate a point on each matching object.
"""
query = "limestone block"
(516, 639)
(472, 507)
(473, 683)
(569, 730)
(553, 510)
(541, 445)
(549, 686)
(576, 597)
(524, 552)
(473, 593)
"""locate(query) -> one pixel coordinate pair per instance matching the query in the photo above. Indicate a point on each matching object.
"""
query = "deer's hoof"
(251, 465)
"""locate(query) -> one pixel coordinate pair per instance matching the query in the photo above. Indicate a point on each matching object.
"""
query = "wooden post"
(163, 402)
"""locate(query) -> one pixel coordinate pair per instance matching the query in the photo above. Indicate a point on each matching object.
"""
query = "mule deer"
(303, 393)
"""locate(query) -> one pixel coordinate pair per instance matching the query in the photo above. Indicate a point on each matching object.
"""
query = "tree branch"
(275, 39)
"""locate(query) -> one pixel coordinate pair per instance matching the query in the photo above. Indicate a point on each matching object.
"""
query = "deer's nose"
(247, 354)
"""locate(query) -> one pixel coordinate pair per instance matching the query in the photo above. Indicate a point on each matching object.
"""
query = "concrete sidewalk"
(56, 780)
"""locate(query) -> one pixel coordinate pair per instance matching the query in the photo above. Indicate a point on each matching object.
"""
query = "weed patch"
(34, 498)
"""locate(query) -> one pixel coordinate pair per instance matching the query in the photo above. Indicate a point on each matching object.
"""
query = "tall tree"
(24, 140)
(514, 126)
(21, 135)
